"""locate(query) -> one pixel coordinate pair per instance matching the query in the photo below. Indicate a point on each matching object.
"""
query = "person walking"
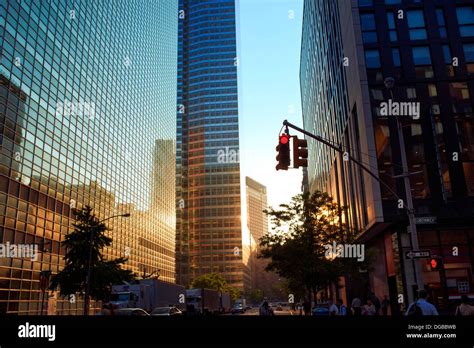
(356, 307)
(333, 310)
(342, 307)
(375, 300)
(369, 308)
(464, 309)
(421, 306)
(385, 305)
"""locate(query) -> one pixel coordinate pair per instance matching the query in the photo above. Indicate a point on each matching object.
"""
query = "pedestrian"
(385, 305)
(265, 309)
(307, 308)
(356, 307)
(369, 308)
(333, 310)
(375, 300)
(421, 306)
(464, 309)
(342, 307)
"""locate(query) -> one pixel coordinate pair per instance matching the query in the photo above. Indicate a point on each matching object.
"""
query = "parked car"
(166, 311)
(321, 309)
(238, 308)
(132, 311)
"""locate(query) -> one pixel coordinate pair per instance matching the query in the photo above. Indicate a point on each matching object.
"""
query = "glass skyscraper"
(87, 117)
(209, 235)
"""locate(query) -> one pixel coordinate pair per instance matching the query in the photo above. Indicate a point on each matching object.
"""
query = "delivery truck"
(148, 294)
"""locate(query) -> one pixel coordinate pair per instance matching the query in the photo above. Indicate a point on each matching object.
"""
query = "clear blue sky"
(269, 54)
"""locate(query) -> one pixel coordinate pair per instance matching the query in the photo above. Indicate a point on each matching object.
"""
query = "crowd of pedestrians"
(373, 306)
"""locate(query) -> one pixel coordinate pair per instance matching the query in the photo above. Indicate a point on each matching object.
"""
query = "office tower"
(257, 223)
(209, 231)
(349, 49)
(87, 117)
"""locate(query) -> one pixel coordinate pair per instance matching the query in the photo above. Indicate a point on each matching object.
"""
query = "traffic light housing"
(300, 152)
(436, 263)
(283, 150)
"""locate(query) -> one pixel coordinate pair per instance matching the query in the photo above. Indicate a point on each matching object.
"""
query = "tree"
(217, 282)
(255, 295)
(297, 248)
(72, 278)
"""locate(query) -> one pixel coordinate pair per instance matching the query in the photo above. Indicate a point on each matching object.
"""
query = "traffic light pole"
(408, 207)
(325, 142)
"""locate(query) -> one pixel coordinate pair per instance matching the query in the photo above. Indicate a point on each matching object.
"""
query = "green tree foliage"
(104, 273)
(296, 248)
(217, 282)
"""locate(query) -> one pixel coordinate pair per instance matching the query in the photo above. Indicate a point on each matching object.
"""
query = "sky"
(269, 58)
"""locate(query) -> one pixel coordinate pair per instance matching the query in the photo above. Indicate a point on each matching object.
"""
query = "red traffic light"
(284, 139)
(434, 263)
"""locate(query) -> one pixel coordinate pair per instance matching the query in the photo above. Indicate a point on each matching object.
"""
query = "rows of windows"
(416, 24)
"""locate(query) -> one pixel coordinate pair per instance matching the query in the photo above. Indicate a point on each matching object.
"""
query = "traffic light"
(283, 150)
(300, 152)
(436, 263)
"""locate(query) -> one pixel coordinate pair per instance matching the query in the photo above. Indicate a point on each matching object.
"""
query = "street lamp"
(389, 83)
(89, 268)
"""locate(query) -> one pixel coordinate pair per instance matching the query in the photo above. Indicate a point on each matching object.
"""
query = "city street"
(283, 312)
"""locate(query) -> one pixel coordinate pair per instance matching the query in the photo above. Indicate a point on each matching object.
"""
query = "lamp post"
(389, 83)
(89, 266)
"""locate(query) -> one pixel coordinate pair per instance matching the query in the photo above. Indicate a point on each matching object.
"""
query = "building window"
(392, 30)
(466, 20)
(448, 60)
(469, 56)
(432, 91)
(396, 57)
(369, 33)
(441, 23)
(372, 59)
(392, 2)
(377, 94)
(465, 130)
(411, 92)
(422, 61)
(363, 3)
(416, 25)
(460, 97)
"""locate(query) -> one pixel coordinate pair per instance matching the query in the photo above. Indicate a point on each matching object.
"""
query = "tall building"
(209, 231)
(87, 117)
(349, 49)
(257, 223)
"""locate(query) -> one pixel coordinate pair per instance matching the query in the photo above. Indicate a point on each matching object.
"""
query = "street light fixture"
(89, 266)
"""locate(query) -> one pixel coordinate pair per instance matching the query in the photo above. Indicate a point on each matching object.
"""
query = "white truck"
(148, 294)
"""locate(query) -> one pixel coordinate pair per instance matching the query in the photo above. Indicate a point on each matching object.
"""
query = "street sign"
(418, 254)
(425, 220)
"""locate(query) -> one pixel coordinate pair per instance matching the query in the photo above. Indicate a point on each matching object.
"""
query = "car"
(132, 311)
(278, 308)
(238, 308)
(321, 309)
(248, 308)
(166, 311)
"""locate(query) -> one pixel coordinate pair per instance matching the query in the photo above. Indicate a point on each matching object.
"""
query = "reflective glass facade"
(87, 116)
(209, 235)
